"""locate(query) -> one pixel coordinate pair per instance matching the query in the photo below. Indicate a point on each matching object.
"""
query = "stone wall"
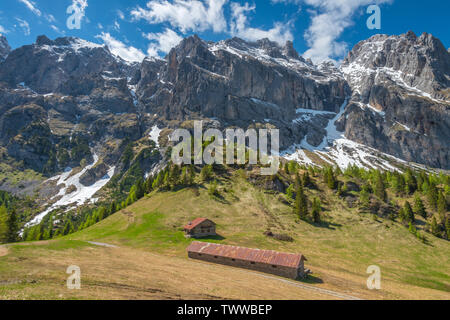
(203, 230)
(286, 272)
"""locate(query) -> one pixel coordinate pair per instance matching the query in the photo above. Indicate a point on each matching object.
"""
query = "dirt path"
(299, 285)
(100, 244)
(311, 288)
(3, 251)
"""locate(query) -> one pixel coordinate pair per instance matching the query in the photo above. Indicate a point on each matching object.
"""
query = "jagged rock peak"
(5, 49)
(189, 47)
(73, 42)
(43, 40)
(290, 51)
(259, 48)
(421, 62)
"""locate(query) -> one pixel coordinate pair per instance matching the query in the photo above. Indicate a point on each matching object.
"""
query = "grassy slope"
(151, 261)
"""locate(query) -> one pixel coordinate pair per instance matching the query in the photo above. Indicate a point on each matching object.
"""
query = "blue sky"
(320, 29)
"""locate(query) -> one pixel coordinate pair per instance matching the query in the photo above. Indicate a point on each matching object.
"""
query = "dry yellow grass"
(125, 273)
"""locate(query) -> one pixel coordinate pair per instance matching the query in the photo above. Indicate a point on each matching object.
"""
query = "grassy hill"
(150, 259)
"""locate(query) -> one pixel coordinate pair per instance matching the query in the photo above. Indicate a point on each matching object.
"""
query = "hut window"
(274, 266)
(252, 262)
(199, 254)
(215, 257)
(233, 259)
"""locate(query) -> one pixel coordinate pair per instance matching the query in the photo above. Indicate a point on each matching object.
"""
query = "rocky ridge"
(72, 103)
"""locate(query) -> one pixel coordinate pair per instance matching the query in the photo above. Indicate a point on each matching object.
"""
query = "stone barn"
(287, 265)
(200, 227)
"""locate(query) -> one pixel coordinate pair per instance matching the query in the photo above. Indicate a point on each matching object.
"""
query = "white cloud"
(50, 18)
(116, 26)
(330, 19)
(120, 15)
(163, 42)
(120, 49)
(281, 32)
(32, 6)
(3, 30)
(56, 29)
(185, 15)
(286, 1)
(25, 26)
(199, 16)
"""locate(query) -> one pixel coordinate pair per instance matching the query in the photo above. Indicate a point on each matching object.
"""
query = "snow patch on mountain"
(336, 149)
(79, 196)
(356, 74)
(154, 135)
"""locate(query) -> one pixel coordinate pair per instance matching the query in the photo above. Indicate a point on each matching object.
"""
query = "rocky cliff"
(401, 97)
(5, 49)
(69, 102)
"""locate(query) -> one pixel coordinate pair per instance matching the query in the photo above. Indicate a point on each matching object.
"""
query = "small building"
(200, 227)
(287, 265)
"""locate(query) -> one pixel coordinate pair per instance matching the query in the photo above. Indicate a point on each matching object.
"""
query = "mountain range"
(69, 108)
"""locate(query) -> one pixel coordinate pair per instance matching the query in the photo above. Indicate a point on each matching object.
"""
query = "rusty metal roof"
(254, 255)
(191, 225)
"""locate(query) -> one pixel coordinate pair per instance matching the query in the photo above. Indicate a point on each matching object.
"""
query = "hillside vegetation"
(343, 222)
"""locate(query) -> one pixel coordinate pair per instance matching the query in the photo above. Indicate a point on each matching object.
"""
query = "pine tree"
(410, 182)
(311, 171)
(102, 214)
(419, 207)
(316, 210)
(132, 197)
(397, 183)
(68, 228)
(412, 229)
(49, 228)
(185, 176)
(140, 190)
(174, 175)
(432, 196)
(408, 213)
(3, 223)
(290, 191)
(46, 235)
(112, 207)
(364, 197)
(447, 227)
(191, 175)
(380, 190)
(212, 190)
(13, 227)
(441, 203)
(434, 227)
(330, 179)
(31, 234)
(157, 182)
(301, 203)
(306, 179)
(298, 181)
(292, 167)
